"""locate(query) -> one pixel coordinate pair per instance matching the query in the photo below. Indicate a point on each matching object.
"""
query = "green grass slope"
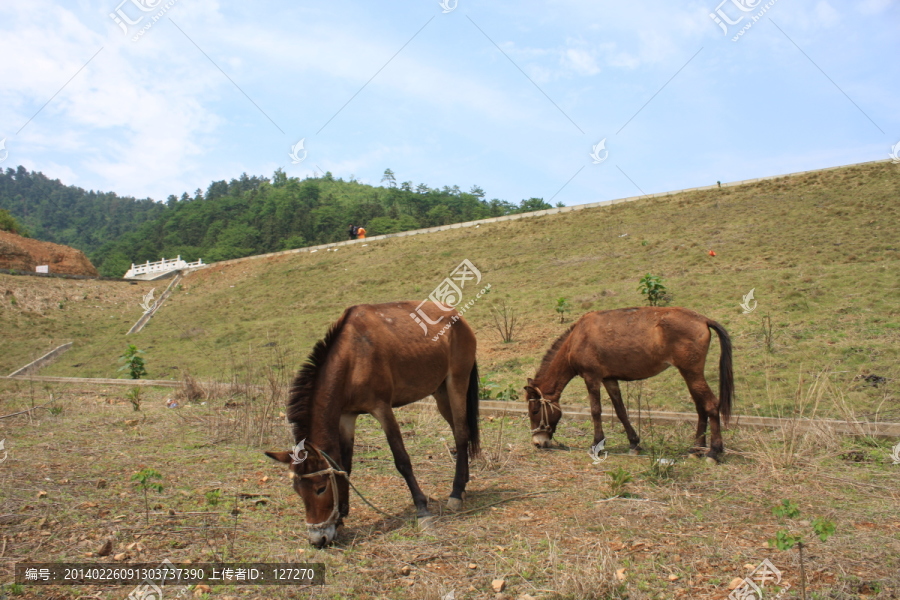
(821, 251)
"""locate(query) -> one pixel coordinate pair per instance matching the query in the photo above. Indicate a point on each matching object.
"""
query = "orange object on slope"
(712, 253)
(361, 234)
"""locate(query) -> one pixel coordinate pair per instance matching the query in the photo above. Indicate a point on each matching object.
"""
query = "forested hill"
(65, 214)
(246, 216)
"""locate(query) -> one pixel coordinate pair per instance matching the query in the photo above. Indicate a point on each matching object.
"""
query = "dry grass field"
(544, 522)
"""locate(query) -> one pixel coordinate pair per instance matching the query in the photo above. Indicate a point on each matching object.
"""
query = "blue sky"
(510, 96)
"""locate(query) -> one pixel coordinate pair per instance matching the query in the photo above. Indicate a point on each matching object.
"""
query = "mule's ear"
(532, 391)
(530, 381)
(284, 457)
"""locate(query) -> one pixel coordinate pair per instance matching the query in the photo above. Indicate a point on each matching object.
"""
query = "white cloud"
(122, 120)
(874, 7)
(826, 14)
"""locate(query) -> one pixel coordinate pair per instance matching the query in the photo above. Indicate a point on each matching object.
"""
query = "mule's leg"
(401, 458)
(593, 388)
(452, 394)
(347, 433)
(707, 410)
(612, 388)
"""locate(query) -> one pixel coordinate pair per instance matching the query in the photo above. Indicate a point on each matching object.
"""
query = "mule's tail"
(726, 374)
(472, 412)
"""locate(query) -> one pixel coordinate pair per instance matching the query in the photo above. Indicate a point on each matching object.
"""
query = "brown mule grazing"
(373, 359)
(629, 344)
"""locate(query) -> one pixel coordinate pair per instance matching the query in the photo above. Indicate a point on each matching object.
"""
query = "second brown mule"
(630, 344)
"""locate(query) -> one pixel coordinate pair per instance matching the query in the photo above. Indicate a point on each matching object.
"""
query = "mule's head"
(321, 487)
(544, 414)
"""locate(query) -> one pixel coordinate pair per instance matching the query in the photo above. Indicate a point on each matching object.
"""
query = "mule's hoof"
(711, 461)
(694, 455)
(454, 504)
(634, 452)
(425, 523)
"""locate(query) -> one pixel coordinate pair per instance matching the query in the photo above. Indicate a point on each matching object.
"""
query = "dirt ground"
(24, 254)
(547, 523)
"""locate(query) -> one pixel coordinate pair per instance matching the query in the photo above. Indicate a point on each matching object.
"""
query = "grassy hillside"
(821, 251)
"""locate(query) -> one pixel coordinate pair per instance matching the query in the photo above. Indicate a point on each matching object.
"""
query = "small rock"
(735, 582)
(201, 589)
(498, 585)
(41, 494)
(105, 549)
(673, 577)
(620, 574)
(120, 556)
(473, 566)
(405, 570)
(749, 567)
(101, 485)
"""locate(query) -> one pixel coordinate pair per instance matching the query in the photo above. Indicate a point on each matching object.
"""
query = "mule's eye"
(321, 490)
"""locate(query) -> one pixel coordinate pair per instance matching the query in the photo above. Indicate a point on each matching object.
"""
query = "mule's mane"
(299, 406)
(551, 353)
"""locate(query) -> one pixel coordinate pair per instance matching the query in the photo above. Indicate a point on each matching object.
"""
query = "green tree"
(9, 223)
(533, 204)
(145, 480)
(134, 364)
(651, 286)
(562, 307)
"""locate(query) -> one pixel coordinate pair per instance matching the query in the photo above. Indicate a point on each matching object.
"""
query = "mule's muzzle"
(321, 536)
(541, 439)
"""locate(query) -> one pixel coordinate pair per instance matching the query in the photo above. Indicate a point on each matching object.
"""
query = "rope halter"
(546, 407)
(332, 471)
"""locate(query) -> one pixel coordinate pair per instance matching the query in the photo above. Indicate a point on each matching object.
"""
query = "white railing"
(173, 264)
